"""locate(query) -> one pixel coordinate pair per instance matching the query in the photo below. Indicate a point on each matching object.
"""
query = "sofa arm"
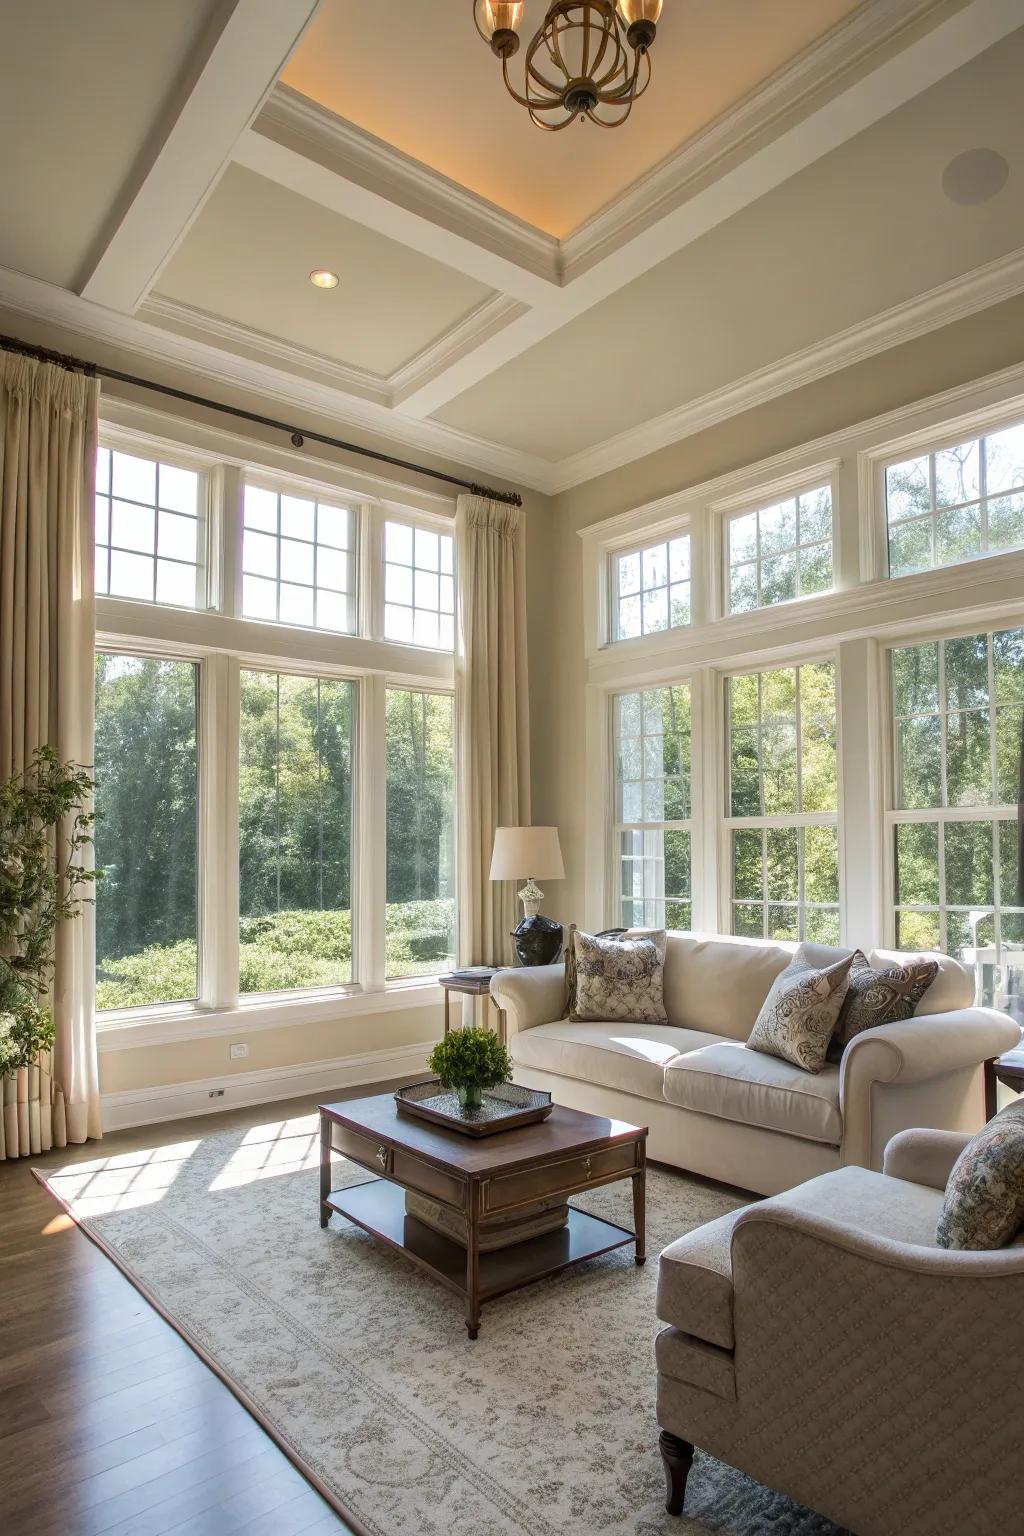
(913, 1051)
(530, 995)
(923, 1156)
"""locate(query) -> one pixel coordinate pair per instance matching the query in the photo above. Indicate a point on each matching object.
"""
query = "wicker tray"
(503, 1108)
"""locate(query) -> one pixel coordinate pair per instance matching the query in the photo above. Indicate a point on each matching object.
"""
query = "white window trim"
(222, 643)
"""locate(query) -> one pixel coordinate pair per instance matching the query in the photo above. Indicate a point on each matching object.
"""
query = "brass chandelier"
(590, 59)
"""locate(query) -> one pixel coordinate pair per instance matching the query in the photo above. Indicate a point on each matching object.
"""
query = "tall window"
(420, 919)
(958, 707)
(652, 733)
(652, 588)
(295, 832)
(780, 552)
(297, 561)
(419, 586)
(146, 831)
(149, 530)
(954, 505)
(783, 803)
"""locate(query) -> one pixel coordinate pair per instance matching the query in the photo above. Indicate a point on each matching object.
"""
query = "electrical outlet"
(216, 1093)
(239, 1052)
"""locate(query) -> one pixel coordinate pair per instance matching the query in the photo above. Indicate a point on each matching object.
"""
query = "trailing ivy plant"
(44, 832)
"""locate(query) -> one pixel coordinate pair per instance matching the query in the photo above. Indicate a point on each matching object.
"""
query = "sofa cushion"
(631, 1057)
(879, 995)
(718, 983)
(695, 1282)
(952, 988)
(695, 1290)
(800, 1013)
(729, 1080)
(619, 978)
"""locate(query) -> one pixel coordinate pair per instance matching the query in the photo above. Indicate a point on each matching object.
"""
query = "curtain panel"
(493, 714)
(48, 431)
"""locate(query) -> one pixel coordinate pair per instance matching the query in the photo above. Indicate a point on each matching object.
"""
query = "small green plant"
(470, 1060)
(42, 884)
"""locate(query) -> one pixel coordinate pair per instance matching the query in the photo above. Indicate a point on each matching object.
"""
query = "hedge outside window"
(783, 801)
(420, 918)
(956, 504)
(957, 711)
(652, 835)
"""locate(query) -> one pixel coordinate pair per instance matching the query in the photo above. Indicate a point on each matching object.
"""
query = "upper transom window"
(651, 589)
(297, 561)
(419, 586)
(780, 552)
(956, 504)
(149, 530)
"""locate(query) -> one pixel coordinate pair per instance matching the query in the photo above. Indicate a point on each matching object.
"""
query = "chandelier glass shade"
(590, 58)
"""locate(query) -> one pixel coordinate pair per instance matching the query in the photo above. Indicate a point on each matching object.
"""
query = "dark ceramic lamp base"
(538, 940)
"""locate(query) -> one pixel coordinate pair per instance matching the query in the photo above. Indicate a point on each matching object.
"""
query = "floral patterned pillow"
(800, 1012)
(620, 979)
(879, 995)
(984, 1205)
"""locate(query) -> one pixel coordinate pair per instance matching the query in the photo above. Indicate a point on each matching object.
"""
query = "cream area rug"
(359, 1364)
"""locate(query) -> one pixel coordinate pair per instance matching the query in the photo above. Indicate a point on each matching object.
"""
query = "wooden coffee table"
(479, 1178)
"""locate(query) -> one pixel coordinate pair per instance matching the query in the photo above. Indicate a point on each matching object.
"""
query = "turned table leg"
(640, 1206)
(473, 1262)
(677, 1457)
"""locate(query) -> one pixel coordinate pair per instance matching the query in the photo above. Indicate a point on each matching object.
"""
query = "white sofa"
(716, 1108)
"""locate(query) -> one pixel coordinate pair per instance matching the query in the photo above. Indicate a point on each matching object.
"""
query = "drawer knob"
(382, 1156)
(586, 1166)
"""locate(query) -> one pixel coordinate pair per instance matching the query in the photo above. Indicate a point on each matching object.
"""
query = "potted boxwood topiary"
(470, 1060)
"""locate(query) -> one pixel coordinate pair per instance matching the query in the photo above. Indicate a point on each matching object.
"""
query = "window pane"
(295, 832)
(297, 555)
(652, 589)
(146, 837)
(420, 919)
(652, 735)
(146, 509)
(781, 552)
(964, 502)
(418, 587)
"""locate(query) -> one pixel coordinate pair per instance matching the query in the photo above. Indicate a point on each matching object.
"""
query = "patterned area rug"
(360, 1365)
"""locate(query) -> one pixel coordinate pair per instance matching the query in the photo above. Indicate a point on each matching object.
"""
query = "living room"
(511, 766)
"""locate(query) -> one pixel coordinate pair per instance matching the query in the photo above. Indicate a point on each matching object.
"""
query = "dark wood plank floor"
(109, 1424)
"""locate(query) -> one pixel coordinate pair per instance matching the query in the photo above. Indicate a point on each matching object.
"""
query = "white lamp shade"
(524, 851)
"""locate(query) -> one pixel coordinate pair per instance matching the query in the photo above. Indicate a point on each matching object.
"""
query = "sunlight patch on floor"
(122, 1182)
(268, 1151)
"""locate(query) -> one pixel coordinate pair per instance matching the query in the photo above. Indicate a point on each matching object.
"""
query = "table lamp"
(531, 853)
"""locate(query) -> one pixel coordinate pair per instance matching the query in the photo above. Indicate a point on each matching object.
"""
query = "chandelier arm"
(618, 69)
(602, 50)
(628, 88)
(528, 101)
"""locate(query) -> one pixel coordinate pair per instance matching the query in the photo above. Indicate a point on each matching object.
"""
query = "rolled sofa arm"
(530, 995)
(913, 1051)
(924, 1156)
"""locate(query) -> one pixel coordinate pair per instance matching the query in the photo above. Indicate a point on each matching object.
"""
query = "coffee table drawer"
(566, 1176)
(362, 1149)
(425, 1179)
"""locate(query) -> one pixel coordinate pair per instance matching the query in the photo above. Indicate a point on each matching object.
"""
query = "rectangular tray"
(503, 1108)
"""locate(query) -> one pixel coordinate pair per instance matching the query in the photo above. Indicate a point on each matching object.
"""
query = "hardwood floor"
(109, 1424)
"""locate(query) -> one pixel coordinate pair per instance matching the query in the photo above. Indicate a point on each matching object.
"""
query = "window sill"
(167, 1025)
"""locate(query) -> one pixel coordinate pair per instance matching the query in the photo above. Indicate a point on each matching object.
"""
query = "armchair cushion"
(984, 1204)
(729, 1080)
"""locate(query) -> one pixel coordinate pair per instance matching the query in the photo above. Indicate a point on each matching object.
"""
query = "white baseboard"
(173, 1101)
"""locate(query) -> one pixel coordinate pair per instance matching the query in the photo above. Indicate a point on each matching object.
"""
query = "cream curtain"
(494, 729)
(48, 423)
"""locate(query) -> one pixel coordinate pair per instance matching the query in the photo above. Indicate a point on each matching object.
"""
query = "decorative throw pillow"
(879, 995)
(620, 979)
(800, 1012)
(984, 1205)
(570, 971)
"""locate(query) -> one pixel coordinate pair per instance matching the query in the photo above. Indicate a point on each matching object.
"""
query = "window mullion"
(370, 884)
(218, 796)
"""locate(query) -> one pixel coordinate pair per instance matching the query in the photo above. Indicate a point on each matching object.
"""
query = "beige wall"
(356, 1034)
(956, 354)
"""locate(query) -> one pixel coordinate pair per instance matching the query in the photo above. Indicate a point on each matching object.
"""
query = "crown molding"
(819, 69)
(149, 343)
(293, 120)
(955, 300)
(201, 323)
(485, 321)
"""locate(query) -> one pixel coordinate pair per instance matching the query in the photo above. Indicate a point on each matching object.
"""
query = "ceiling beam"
(922, 63)
(243, 50)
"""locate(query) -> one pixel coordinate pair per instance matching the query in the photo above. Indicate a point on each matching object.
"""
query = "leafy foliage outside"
(43, 881)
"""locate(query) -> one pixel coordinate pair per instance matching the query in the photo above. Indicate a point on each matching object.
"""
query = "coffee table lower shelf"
(378, 1206)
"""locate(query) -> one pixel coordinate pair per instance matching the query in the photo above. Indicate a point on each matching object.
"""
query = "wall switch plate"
(239, 1052)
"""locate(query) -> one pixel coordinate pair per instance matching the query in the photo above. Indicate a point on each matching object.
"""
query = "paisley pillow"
(879, 995)
(800, 1012)
(620, 979)
(984, 1205)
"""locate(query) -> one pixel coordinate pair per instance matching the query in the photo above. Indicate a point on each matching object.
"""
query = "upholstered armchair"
(821, 1342)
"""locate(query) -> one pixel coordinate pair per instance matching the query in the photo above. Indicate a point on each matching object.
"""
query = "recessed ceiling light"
(321, 278)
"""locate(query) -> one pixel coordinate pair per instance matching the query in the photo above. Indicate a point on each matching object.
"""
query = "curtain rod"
(296, 436)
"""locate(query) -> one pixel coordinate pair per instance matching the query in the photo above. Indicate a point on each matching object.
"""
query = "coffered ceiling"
(529, 305)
